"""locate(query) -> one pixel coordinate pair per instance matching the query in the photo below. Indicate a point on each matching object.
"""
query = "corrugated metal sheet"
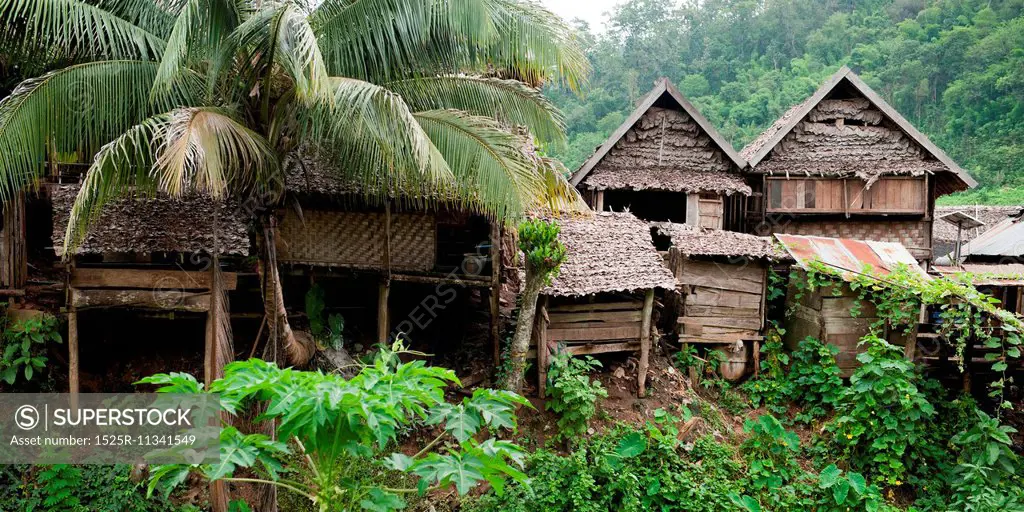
(988, 274)
(1003, 239)
(848, 255)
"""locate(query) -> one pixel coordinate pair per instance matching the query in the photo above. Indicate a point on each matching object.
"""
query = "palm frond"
(156, 17)
(493, 167)
(206, 150)
(509, 101)
(374, 134)
(199, 29)
(298, 52)
(76, 109)
(384, 40)
(201, 150)
(534, 44)
(73, 27)
(121, 167)
(371, 38)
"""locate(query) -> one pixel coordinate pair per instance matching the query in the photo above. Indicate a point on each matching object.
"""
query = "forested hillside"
(954, 68)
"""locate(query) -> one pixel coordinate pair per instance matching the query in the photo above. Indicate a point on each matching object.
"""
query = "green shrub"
(770, 450)
(988, 474)
(24, 347)
(572, 394)
(65, 488)
(813, 381)
(884, 418)
(627, 469)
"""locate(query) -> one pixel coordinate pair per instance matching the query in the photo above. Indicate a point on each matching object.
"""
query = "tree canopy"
(951, 67)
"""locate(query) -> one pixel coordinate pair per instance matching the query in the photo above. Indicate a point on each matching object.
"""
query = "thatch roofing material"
(813, 139)
(608, 252)
(990, 215)
(665, 144)
(159, 224)
(693, 241)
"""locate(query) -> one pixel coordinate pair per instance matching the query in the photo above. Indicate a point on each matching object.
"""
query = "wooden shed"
(603, 297)
(845, 164)
(154, 255)
(835, 314)
(667, 163)
(722, 279)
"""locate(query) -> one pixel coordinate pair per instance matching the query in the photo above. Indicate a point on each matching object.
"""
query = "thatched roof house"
(845, 164)
(846, 129)
(603, 297)
(664, 153)
(608, 253)
(155, 225)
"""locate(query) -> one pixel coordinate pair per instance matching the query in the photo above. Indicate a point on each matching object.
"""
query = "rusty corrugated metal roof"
(848, 255)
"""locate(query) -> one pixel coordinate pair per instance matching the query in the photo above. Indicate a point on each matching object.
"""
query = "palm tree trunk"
(296, 352)
(524, 331)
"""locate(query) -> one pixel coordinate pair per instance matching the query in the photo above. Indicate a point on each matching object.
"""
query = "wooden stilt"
(495, 291)
(382, 311)
(645, 343)
(543, 353)
(757, 358)
(73, 356)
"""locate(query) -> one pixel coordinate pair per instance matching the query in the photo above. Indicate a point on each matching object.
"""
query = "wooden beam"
(166, 300)
(594, 334)
(73, 356)
(599, 202)
(147, 279)
(455, 281)
(602, 348)
(645, 343)
(382, 311)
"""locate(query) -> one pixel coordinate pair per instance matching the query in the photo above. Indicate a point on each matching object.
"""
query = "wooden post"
(495, 296)
(693, 210)
(73, 356)
(757, 357)
(382, 310)
(645, 343)
(543, 355)
(599, 201)
(384, 289)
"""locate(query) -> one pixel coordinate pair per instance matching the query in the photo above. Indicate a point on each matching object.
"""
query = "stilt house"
(428, 262)
(667, 163)
(145, 262)
(845, 164)
(603, 297)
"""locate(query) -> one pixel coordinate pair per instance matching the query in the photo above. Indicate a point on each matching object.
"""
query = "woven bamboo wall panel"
(356, 239)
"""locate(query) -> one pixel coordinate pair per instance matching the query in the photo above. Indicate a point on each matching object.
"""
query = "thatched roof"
(990, 215)
(608, 252)
(159, 224)
(847, 129)
(665, 144)
(694, 241)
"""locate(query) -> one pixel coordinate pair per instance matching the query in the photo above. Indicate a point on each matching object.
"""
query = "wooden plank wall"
(827, 314)
(721, 301)
(903, 195)
(601, 327)
(13, 259)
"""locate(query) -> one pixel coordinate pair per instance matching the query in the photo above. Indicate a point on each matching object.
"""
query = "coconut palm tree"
(219, 96)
